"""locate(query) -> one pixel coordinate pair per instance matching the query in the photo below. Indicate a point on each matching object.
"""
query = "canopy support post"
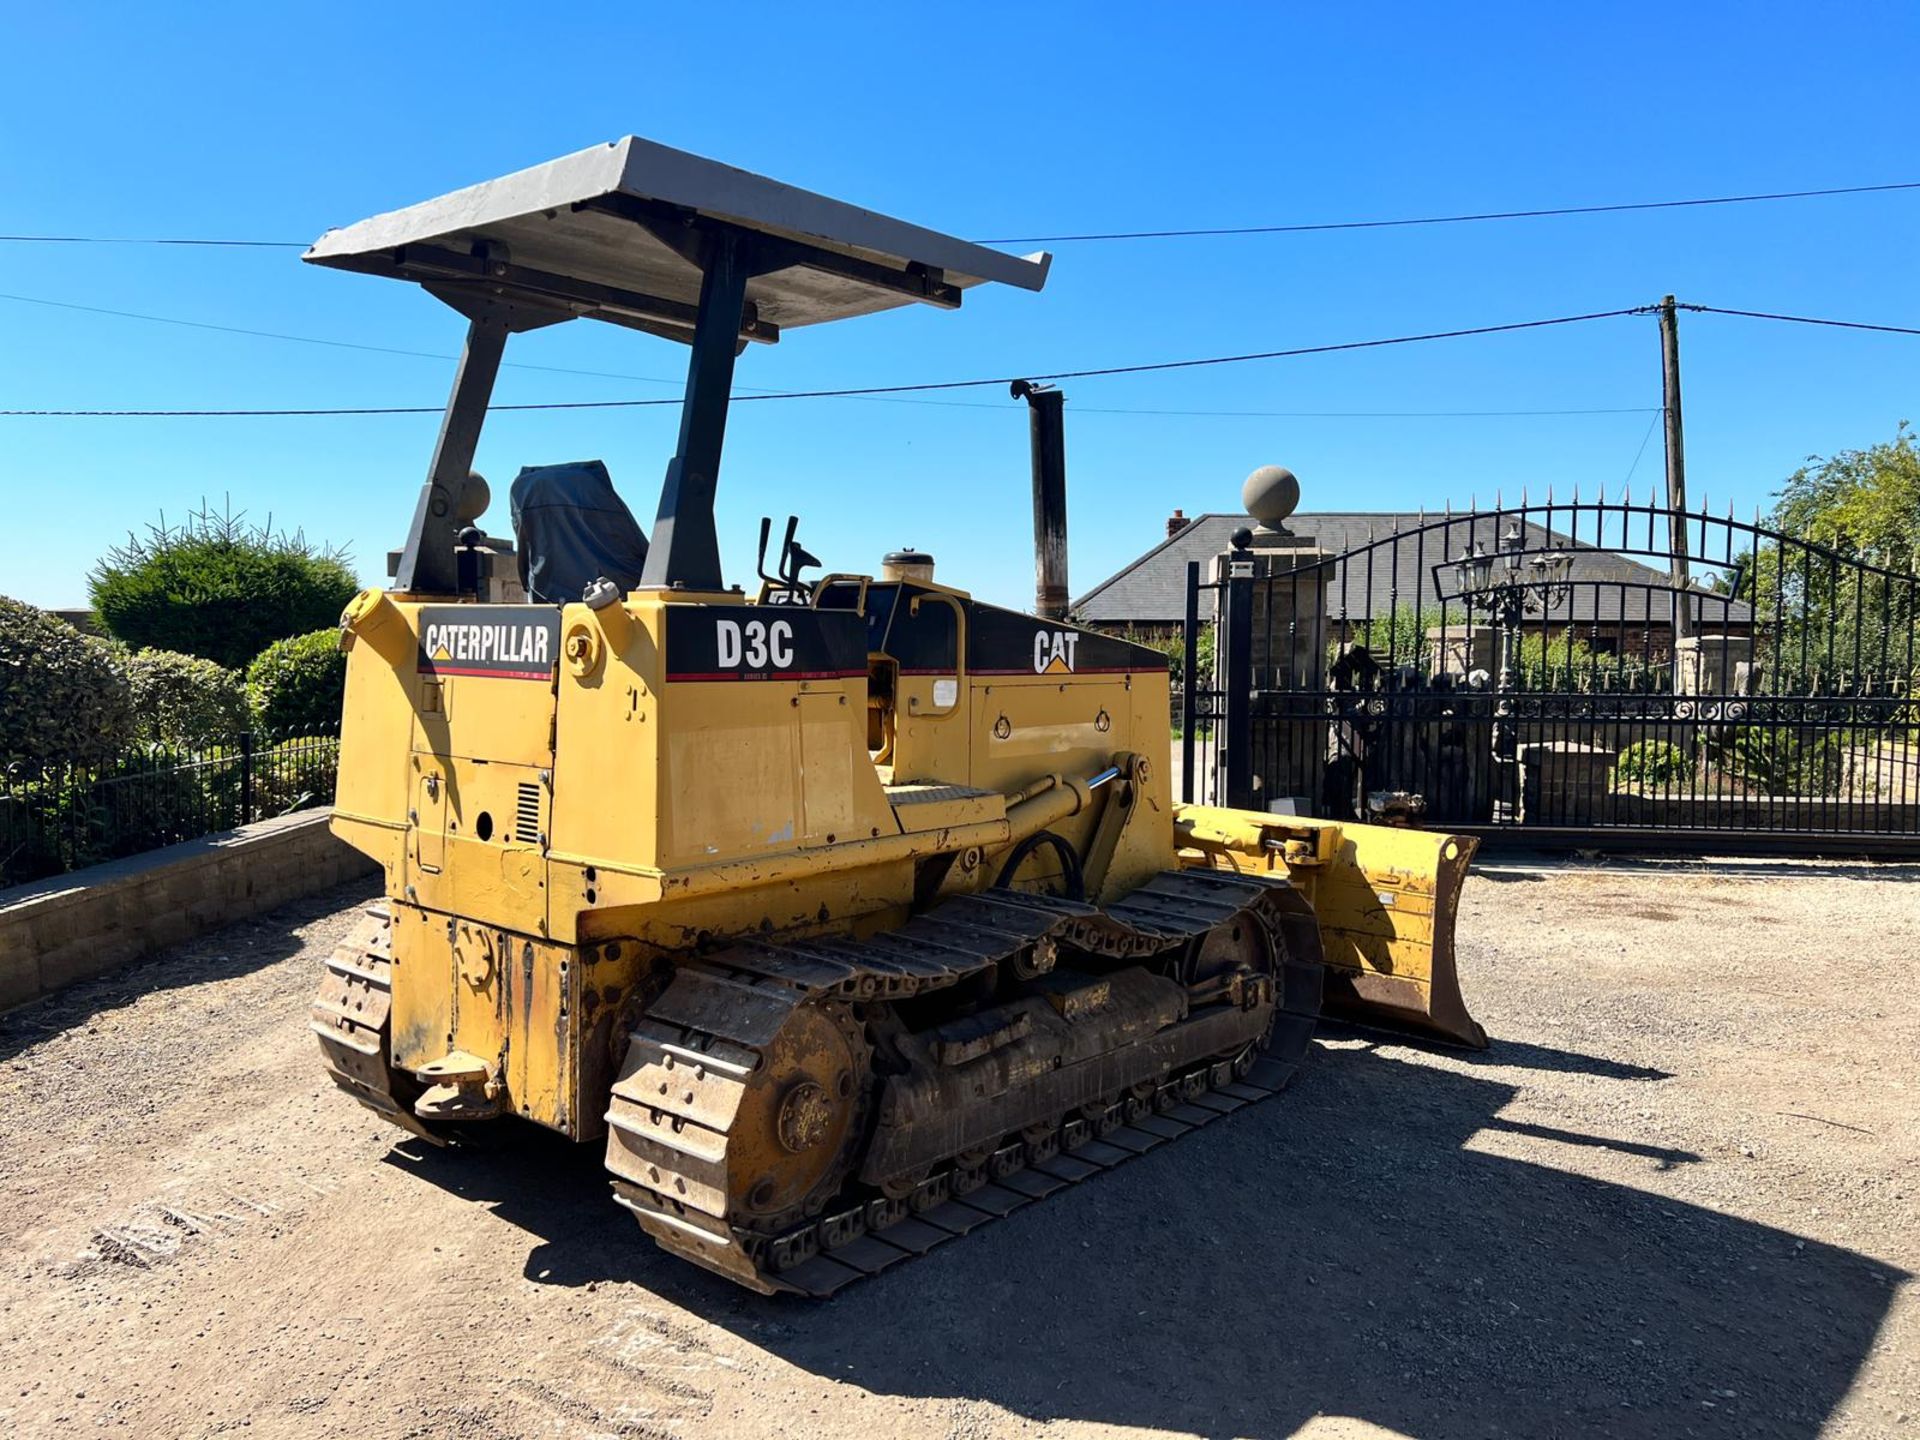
(428, 564)
(684, 550)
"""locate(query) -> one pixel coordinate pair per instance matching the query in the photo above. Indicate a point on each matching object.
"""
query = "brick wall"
(76, 926)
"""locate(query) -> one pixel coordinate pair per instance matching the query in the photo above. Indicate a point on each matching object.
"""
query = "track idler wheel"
(802, 1119)
(760, 1143)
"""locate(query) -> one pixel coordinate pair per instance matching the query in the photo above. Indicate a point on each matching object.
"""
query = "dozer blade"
(1385, 898)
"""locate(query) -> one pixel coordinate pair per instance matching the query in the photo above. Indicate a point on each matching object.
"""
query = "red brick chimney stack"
(1177, 522)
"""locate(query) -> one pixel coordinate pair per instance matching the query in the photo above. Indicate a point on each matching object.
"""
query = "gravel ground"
(1678, 1197)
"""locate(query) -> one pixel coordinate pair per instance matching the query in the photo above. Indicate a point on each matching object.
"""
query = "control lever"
(793, 558)
(760, 559)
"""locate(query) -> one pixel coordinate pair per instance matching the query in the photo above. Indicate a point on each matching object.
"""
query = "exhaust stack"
(1047, 424)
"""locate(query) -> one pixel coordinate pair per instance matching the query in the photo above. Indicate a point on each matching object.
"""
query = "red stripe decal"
(432, 669)
(764, 674)
(1046, 675)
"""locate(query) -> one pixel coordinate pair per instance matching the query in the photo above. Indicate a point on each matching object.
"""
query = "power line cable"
(1658, 411)
(1802, 319)
(378, 349)
(1361, 414)
(1540, 214)
(873, 390)
(340, 410)
(1163, 365)
(806, 395)
(1297, 229)
(879, 391)
(144, 240)
(675, 383)
(313, 339)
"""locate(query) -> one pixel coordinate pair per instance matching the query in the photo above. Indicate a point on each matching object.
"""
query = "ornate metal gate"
(1569, 669)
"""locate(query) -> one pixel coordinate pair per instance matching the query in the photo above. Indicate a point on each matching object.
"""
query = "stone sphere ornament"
(1270, 495)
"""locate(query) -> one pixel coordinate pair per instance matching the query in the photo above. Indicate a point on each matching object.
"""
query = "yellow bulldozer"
(849, 914)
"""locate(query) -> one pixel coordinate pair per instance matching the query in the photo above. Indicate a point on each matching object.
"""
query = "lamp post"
(1510, 586)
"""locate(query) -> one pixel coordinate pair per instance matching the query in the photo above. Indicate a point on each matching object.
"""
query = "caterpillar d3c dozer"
(849, 915)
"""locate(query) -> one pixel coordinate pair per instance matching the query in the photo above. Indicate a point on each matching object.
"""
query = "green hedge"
(109, 753)
(186, 701)
(64, 696)
(295, 774)
(297, 686)
(141, 801)
(67, 819)
(1779, 760)
(1652, 762)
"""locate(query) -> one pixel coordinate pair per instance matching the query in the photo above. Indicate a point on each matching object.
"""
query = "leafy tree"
(297, 686)
(64, 698)
(1863, 503)
(1173, 645)
(1821, 618)
(218, 587)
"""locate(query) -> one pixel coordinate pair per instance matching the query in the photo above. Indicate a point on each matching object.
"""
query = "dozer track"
(352, 1016)
(778, 1121)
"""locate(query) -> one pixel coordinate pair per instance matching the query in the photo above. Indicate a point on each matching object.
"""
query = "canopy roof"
(616, 232)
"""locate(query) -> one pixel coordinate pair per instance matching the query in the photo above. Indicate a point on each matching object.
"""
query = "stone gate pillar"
(1290, 640)
(1713, 665)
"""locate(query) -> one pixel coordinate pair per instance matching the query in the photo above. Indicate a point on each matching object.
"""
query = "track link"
(675, 1108)
(351, 1016)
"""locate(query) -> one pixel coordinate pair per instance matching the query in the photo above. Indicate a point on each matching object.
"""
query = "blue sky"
(276, 122)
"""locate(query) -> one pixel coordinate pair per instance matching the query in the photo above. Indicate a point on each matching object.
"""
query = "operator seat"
(571, 528)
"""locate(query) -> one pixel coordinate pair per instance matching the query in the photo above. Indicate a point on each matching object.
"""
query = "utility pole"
(1676, 474)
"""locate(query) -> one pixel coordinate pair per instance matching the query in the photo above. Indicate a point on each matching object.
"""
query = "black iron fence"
(60, 818)
(1199, 707)
(1576, 667)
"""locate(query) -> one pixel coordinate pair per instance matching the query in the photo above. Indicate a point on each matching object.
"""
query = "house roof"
(1384, 560)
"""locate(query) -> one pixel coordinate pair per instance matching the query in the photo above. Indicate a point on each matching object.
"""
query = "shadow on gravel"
(1339, 1251)
(235, 949)
(1502, 1053)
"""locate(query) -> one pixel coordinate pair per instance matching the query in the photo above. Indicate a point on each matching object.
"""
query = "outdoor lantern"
(1513, 543)
(1474, 570)
(1550, 582)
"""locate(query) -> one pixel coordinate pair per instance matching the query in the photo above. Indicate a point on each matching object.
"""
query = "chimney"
(1177, 522)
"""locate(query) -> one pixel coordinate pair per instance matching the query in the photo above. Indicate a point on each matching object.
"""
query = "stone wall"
(1764, 813)
(73, 927)
(1564, 783)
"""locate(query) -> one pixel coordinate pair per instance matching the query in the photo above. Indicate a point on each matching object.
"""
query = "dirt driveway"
(1679, 1196)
